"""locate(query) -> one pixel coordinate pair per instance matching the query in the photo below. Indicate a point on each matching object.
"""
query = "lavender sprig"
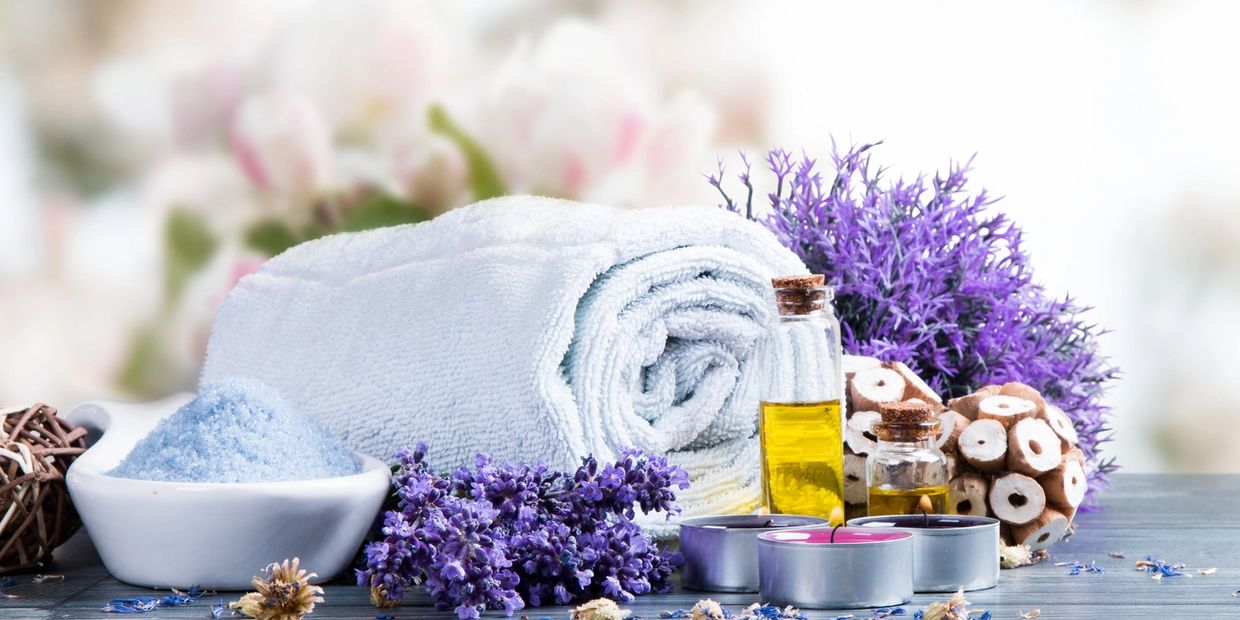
(926, 273)
(501, 536)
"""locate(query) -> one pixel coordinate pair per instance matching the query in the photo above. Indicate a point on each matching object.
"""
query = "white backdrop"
(1110, 127)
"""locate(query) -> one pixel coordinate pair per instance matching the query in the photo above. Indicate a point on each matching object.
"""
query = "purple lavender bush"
(927, 274)
(501, 536)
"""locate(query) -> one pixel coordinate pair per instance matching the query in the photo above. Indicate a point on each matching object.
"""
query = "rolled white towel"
(529, 328)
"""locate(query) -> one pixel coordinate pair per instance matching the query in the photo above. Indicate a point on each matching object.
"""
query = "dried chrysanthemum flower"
(1013, 556)
(954, 608)
(286, 594)
(600, 609)
(707, 609)
(379, 598)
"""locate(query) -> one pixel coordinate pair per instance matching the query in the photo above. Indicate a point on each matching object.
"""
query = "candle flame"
(837, 516)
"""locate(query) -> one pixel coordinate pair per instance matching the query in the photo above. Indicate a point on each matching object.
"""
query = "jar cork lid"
(906, 421)
(801, 294)
(811, 280)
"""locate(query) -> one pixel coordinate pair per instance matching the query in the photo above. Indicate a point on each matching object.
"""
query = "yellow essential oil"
(910, 501)
(906, 473)
(803, 459)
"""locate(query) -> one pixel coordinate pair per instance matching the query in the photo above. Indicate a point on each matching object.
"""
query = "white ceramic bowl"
(213, 535)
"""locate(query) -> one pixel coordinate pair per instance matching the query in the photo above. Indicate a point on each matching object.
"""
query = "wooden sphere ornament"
(36, 515)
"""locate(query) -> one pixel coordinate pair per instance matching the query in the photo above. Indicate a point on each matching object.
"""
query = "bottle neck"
(911, 445)
(803, 301)
(916, 435)
(808, 315)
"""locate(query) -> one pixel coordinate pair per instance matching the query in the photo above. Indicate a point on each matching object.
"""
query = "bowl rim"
(88, 471)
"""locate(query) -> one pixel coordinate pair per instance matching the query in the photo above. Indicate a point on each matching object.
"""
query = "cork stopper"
(800, 294)
(906, 421)
(905, 413)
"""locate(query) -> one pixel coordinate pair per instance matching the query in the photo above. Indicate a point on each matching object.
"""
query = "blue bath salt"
(237, 430)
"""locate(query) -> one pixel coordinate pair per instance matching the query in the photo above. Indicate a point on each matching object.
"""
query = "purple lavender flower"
(500, 536)
(925, 273)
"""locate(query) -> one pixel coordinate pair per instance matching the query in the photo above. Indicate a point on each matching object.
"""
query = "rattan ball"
(36, 515)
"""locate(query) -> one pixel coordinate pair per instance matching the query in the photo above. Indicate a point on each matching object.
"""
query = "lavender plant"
(500, 536)
(926, 273)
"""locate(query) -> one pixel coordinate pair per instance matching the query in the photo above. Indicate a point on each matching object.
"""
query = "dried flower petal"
(138, 605)
(379, 598)
(758, 611)
(1207, 571)
(1075, 567)
(886, 612)
(954, 608)
(144, 604)
(1032, 613)
(1013, 556)
(600, 609)
(707, 609)
(1159, 568)
(285, 594)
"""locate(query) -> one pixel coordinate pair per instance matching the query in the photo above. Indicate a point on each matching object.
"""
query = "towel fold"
(529, 328)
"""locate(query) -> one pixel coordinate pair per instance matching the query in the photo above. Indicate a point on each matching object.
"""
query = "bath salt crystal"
(237, 430)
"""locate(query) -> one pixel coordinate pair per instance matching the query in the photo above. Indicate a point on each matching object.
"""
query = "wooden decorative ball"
(36, 515)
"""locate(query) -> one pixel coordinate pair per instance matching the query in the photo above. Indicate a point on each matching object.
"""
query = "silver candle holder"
(721, 552)
(840, 568)
(949, 551)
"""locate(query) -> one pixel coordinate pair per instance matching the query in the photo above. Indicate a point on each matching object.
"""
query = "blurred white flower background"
(151, 153)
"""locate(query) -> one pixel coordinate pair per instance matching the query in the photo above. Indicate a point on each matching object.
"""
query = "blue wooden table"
(1193, 520)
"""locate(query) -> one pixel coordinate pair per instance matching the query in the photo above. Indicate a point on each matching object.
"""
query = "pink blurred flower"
(432, 172)
(569, 116)
(368, 67)
(564, 113)
(204, 100)
(283, 146)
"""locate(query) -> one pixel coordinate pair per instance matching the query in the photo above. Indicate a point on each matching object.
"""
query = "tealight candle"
(836, 569)
(949, 551)
(721, 552)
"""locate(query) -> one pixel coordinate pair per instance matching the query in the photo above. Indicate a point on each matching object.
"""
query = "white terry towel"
(529, 328)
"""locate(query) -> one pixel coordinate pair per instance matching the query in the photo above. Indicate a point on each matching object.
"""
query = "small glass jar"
(907, 474)
(801, 415)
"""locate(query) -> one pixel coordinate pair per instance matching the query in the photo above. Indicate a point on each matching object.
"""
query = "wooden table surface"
(1177, 518)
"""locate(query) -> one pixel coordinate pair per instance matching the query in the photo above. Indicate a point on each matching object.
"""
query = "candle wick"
(833, 531)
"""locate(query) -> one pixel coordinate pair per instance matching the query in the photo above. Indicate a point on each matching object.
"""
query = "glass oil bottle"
(907, 474)
(800, 418)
